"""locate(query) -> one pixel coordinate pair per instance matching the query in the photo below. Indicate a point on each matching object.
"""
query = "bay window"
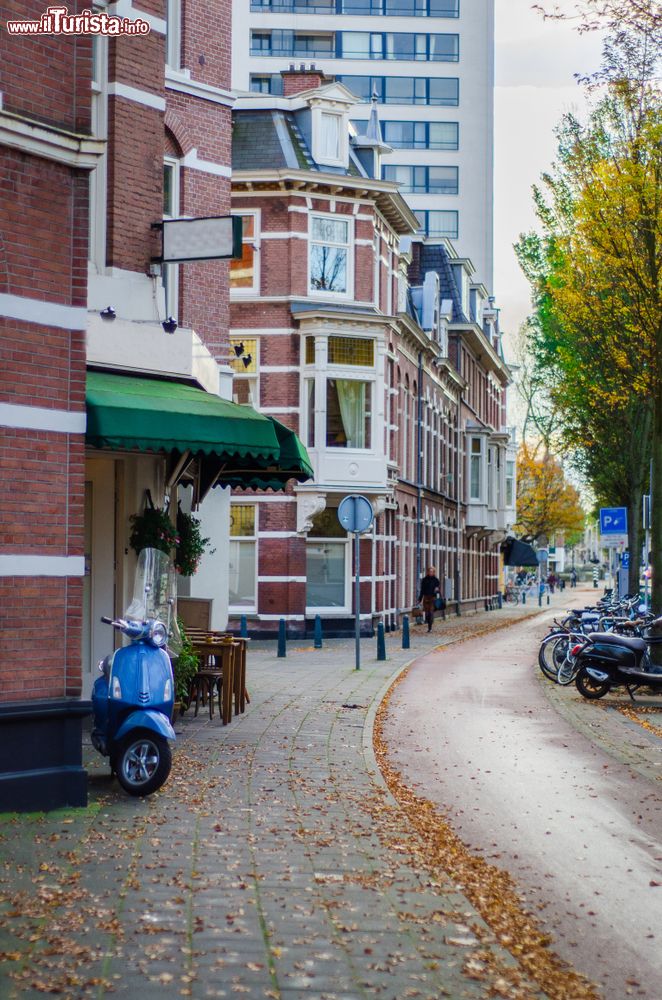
(348, 413)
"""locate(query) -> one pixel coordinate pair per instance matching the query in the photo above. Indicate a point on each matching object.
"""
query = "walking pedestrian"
(429, 592)
(573, 577)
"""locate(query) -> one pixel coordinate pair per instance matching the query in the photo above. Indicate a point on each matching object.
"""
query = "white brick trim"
(281, 579)
(126, 8)
(137, 96)
(18, 565)
(277, 534)
(43, 312)
(277, 618)
(49, 143)
(192, 162)
(194, 88)
(40, 418)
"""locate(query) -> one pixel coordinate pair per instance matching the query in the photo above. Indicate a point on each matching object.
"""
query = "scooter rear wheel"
(590, 688)
(142, 763)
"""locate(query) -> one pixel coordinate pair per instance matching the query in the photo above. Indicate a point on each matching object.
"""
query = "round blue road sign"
(355, 513)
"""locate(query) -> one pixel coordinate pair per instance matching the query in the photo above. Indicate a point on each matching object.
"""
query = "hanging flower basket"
(152, 529)
(191, 546)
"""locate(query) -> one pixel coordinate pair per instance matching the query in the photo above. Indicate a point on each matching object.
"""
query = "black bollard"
(282, 638)
(318, 632)
(243, 628)
(405, 632)
(381, 644)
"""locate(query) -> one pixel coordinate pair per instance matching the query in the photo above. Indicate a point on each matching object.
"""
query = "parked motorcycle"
(133, 699)
(607, 660)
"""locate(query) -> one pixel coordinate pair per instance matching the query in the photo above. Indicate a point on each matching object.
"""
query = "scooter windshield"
(155, 594)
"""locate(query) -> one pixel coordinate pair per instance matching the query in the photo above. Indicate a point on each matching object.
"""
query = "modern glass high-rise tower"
(430, 64)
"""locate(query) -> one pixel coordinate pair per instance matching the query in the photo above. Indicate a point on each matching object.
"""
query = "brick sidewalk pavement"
(273, 864)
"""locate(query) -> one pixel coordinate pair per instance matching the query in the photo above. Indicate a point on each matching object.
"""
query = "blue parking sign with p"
(613, 520)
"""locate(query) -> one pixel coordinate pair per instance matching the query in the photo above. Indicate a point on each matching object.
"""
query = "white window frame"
(243, 609)
(256, 241)
(325, 293)
(170, 273)
(246, 376)
(99, 176)
(319, 155)
(482, 470)
(333, 609)
(173, 34)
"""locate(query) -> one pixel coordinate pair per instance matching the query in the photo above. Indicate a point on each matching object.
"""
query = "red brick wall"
(43, 257)
(46, 77)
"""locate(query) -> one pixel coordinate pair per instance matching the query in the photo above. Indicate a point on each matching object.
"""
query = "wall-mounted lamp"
(238, 350)
(108, 313)
(248, 360)
(169, 324)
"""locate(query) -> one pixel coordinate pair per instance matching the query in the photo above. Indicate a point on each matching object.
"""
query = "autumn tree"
(546, 502)
(614, 16)
(595, 270)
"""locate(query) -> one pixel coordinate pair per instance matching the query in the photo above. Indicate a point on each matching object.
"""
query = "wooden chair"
(195, 612)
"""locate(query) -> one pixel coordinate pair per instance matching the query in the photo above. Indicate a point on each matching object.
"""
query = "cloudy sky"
(535, 62)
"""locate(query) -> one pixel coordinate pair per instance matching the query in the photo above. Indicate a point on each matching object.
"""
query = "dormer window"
(330, 137)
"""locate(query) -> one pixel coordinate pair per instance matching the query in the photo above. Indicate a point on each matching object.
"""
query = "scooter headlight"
(116, 689)
(167, 690)
(158, 634)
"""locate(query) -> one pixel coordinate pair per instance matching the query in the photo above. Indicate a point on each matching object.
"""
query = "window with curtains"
(348, 413)
(242, 557)
(330, 137)
(438, 223)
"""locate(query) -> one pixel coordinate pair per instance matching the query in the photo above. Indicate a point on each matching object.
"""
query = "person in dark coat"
(429, 591)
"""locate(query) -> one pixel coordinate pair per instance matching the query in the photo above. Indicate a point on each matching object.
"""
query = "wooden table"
(216, 673)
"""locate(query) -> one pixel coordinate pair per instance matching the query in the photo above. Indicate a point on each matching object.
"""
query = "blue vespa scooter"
(133, 699)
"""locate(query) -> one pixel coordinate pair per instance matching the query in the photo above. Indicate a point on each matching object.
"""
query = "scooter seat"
(611, 639)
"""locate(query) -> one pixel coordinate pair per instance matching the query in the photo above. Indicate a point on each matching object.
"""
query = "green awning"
(234, 444)
(293, 463)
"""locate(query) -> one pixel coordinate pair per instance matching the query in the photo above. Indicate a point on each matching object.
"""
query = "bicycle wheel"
(552, 653)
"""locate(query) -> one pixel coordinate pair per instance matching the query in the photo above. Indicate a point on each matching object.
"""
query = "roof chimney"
(296, 81)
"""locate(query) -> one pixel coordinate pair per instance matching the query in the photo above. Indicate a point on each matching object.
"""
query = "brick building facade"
(360, 357)
(46, 154)
(103, 139)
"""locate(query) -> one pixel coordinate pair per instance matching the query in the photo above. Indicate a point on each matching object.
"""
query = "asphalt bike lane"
(471, 729)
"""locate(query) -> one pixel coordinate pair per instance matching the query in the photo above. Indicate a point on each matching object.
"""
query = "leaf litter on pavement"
(491, 890)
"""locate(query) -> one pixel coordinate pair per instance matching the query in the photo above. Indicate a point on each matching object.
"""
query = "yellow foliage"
(546, 501)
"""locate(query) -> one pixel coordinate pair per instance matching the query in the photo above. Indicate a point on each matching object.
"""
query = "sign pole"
(357, 599)
(356, 515)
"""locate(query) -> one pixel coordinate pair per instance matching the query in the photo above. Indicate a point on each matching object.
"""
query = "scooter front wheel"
(142, 763)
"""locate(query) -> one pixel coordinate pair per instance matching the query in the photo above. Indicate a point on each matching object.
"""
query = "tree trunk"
(635, 538)
(656, 503)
